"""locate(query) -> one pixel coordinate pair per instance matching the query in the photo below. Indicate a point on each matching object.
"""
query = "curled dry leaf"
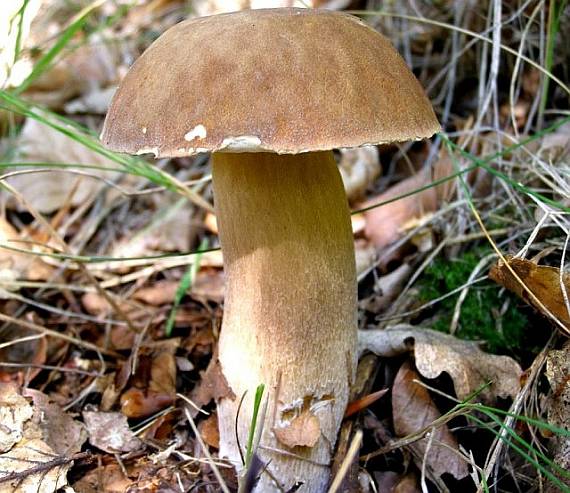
(435, 352)
(542, 281)
(15, 411)
(33, 435)
(16, 265)
(558, 374)
(365, 255)
(386, 224)
(209, 431)
(29, 454)
(110, 432)
(213, 385)
(413, 410)
(393, 482)
(359, 168)
(302, 431)
(386, 289)
(87, 71)
(160, 389)
(170, 229)
(60, 431)
(49, 191)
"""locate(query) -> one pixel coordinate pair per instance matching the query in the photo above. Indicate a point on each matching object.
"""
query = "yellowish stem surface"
(290, 308)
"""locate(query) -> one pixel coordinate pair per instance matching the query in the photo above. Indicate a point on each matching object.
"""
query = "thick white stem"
(290, 308)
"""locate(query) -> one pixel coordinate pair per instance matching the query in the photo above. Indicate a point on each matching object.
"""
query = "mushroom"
(270, 93)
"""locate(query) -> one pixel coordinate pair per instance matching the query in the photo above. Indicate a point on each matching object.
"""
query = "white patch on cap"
(198, 132)
(241, 143)
(148, 150)
(144, 130)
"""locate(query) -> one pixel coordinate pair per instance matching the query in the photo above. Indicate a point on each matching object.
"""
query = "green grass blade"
(185, 284)
(63, 39)
(256, 405)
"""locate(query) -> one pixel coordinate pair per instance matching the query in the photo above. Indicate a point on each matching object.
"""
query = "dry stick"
(55, 236)
(59, 335)
(350, 456)
(414, 437)
(42, 467)
(499, 442)
(211, 462)
(21, 339)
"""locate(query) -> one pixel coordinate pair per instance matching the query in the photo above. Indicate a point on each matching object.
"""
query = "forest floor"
(111, 279)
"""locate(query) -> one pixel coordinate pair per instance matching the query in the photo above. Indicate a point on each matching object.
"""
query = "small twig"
(59, 335)
(211, 462)
(43, 467)
(346, 463)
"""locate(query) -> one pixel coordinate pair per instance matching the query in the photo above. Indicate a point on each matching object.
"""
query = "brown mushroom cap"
(280, 80)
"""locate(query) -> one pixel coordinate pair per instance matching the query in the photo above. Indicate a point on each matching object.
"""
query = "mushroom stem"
(290, 308)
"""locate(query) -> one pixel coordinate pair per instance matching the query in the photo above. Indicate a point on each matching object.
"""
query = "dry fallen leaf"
(302, 431)
(436, 352)
(108, 478)
(49, 191)
(110, 432)
(60, 431)
(359, 167)
(385, 224)
(170, 229)
(14, 412)
(209, 431)
(154, 390)
(26, 455)
(558, 374)
(16, 265)
(213, 385)
(393, 482)
(386, 289)
(32, 434)
(542, 281)
(413, 410)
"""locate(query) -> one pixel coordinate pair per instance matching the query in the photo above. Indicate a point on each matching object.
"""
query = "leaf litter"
(121, 407)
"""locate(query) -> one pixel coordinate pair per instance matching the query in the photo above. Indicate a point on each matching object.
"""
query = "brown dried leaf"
(160, 293)
(105, 479)
(32, 352)
(15, 411)
(386, 289)
(386, 224)
(209, 431)
(15, 265)
(60, 431)
(110, 432)
(413, 410)
(303, 431)
(436, 352)
(542, 281)
(212, 386)
(160, 391)
(393, 482)
(32, 434)
(48, 192)
(359, 168)
(170, 229)
(209, 285)
(26, 455)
